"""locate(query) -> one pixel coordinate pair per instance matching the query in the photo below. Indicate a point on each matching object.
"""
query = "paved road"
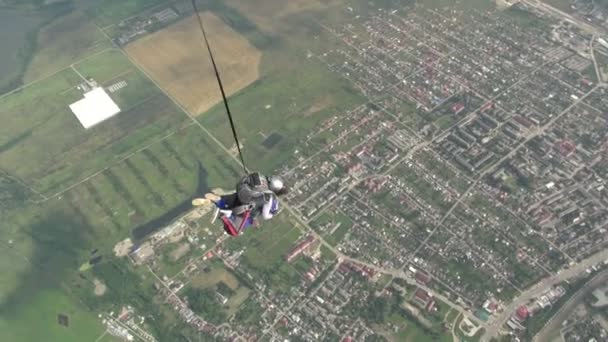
(542, 286)
(541, 5)
(598, 73)
(554, 325)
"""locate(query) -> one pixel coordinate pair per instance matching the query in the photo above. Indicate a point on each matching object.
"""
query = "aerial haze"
(445, 160)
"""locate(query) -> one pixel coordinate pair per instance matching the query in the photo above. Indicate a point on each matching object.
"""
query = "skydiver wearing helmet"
(255, 194)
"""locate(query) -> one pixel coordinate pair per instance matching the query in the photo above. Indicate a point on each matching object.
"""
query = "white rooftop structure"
(96, 107)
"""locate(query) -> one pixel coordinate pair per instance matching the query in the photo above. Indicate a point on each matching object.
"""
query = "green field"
(41, 312)
(62, 42)
(334, 219)
(423, 189)
(110, 12)
(290, 98)
(293, 95)
(602, 61)
(563, 5)
(99, 213)
(49, 150)
(45, 251)
(219, 274)
(152, 181)
(400, 325)
(265, 249)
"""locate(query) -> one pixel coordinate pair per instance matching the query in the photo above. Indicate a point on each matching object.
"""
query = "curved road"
(497, 324)
(555, 323)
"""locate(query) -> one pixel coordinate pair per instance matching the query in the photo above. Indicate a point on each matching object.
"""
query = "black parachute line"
(219, 82)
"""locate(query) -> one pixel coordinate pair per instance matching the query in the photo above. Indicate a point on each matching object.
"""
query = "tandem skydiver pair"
(256, 196)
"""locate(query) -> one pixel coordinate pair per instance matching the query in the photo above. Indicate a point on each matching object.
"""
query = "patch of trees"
(375, 338)
(249, 311)
(373, 309)
(12, 194)
(225, 290)
(204, 302)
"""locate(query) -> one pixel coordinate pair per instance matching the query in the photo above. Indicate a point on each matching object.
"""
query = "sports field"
(176, 60)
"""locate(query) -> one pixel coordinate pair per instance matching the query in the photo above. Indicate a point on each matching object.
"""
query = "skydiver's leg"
(229, 226)
(235, 224)
(224, 202)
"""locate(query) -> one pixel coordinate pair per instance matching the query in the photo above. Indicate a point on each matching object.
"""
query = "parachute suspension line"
(219, 83)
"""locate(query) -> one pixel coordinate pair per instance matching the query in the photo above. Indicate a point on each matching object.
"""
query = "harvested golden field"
(176, 59)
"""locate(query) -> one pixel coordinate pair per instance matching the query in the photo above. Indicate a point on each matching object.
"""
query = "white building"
(95, 107)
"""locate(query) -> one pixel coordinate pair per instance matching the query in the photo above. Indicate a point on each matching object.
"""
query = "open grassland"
(152, 182)
(294, 92)
(43, 143)
(58, 235)
(216, 275)
(62, 42)
(41, 312)
(602, 61)
(219, 274)
(176, 60)
(46, 248)
(266, 14)
(267, 245)
(265, 250)
(290, 102)
(110, 12)
(563, 5)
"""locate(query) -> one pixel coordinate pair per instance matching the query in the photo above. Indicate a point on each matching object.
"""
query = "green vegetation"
(446, 121)
(422, 188)
(31, 291)
(563, 5)
(602, 61)
(524, 18)
(464, 5)
(221, 280)
(265, 249)
(126, 286)
(57, 235)
(53, 150)
(110, 12)
(443, 171)
(337, 222)
(292, 97)
(390, 320)
(65, 40)
(535, 323)
(590, 74)
(205, 303)
(41, 312)
(249, 313)
(12, 193)
(22, 20)
(287, 114)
